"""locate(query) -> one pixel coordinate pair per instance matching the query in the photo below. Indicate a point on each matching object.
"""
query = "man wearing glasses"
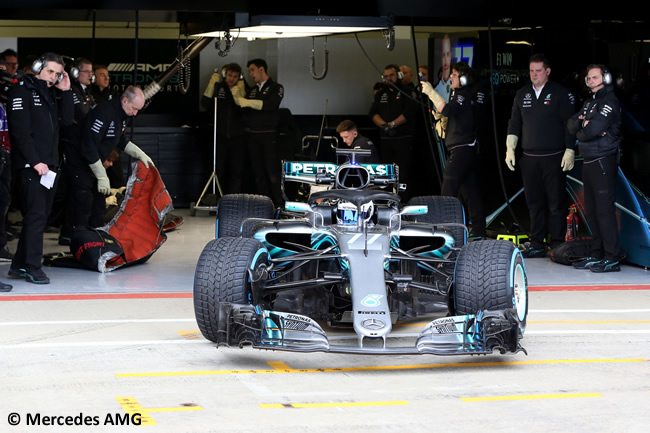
(10, 59)
(35, 114)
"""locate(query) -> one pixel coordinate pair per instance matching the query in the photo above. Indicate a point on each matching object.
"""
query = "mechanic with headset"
(82, 77)
(461, 170)
(393, 110)
(35, 114)
(262, 118)
(102, 132)
(598, 130)
(231, 135)
(540, 112)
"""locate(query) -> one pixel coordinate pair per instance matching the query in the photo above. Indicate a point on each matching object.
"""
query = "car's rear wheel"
(490, 275)
(223, 275)
(442, 209)
(233, 209)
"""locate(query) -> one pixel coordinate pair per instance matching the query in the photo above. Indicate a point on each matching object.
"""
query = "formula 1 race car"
(353, 256)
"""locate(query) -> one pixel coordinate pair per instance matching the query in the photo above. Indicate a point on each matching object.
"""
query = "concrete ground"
(88, 351)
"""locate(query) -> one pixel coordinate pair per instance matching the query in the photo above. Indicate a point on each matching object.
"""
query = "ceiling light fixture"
(286, 26)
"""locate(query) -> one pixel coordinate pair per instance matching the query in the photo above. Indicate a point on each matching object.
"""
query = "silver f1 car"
(352, 256)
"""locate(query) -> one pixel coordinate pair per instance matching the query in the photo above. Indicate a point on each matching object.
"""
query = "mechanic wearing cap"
(347, 129)
(35, 114)
(70, 138)
(598, 130)
(262, 116)
(461, 170)
(393, 111)
(102, 132)
(539, 118)
(231, 135)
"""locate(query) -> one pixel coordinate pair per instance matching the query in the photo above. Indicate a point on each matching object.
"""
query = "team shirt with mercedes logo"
(540, 120)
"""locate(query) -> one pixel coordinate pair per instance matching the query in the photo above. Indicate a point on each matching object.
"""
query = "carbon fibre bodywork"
(353, 256)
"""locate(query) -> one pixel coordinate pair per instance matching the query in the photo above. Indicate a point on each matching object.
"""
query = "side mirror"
(414, 210)
(296, 206)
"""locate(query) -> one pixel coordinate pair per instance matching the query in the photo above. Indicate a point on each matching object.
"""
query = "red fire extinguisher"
(571, 223)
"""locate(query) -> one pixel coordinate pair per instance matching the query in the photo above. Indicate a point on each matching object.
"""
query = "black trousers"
(89, 205)
(545, 190)
(397, 150)
(265, 162)
(231, 162)
(599, 179)
(461, 174)
(36, 204)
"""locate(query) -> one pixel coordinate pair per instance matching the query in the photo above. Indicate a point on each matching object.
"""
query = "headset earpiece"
(74, 72)
(464, 81)
(607, 76)
(38, 65)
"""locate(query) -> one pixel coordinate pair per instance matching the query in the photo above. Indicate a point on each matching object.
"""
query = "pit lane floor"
(109, 346)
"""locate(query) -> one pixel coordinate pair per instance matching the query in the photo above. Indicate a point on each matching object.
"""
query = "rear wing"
(327, 173)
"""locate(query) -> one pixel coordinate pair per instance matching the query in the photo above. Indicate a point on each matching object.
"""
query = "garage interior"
(108, 345)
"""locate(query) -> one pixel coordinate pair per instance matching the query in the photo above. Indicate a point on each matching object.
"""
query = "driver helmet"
(348, 214)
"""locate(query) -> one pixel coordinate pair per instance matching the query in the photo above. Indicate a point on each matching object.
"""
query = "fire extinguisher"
(571, 224)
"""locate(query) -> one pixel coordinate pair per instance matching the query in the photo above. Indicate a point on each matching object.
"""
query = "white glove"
(511, 145)
(137, 153)
(435, 97)
(568, 159)
(209, 90)
(103, 184)
(255, 104)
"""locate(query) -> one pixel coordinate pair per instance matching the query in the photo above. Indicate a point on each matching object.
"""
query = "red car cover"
(137, 226)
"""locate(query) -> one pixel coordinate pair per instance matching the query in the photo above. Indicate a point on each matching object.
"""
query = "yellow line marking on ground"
(339, 404)
(131, 406)
(528, 397)
(191, 335)
(282, 368)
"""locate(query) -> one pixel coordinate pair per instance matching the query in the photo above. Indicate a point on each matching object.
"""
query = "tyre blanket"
(138, 225)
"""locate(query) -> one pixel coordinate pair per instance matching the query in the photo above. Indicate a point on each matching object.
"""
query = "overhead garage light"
(277, 26)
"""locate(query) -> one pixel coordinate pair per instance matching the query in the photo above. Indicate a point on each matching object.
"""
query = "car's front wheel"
(223, 274)
(490, 275)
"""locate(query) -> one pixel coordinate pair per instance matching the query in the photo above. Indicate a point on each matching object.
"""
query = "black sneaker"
(36, 276)
(586, 263)
(5, 254)
(530, 252)
(16, 273)
(606, 266)
(4, 287)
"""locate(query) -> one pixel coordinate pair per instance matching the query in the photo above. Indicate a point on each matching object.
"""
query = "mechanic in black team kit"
(102, 132)
(461, 170)
(351, 137)
(598, 130)
(393, 110)
(539, 118)
(261, 117)
(35, 114)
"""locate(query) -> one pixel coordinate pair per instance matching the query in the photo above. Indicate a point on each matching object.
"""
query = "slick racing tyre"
(233, 209)
(223, 274)
(490, 275)
(442, 209)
